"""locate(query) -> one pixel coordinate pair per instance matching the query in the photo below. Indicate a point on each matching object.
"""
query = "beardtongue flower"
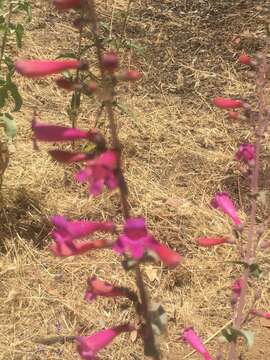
(98, 287)
(69, 157)
(191, 337)
(246, 153)
(236, 290)
(47, 132)
(223, 202)
(67, 4)
(263, 314)
(88, 346)
(136, 241)
(207, 242)
(100, 172)
(227, 103)
(39, 68)
(129, 75)
(66, 232)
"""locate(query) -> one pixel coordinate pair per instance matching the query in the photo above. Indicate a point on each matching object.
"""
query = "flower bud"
(110, 61)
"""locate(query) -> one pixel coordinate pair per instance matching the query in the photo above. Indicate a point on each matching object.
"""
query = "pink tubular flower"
(260, 313)
(88, 346)
(246, 153)
(191, 337)
(236, 290)
(136, 241)
(66, 232)
(206, 242)
(68, 157)
(234, 115)
(244, 59)
(130, 75)
(223, 201)
(38, 68)
(227, 103)
(98, 287)
(47, 132)
(100, 172)
(66, 4)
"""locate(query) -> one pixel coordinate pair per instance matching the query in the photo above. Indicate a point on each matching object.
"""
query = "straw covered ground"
(178, 152)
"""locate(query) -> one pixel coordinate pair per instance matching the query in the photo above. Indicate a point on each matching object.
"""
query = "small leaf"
(158, 318)
(3, 96)
(16, 96)
(249, 337)
(19, 34)
(255, 270)
(10, 65)
(9, 125)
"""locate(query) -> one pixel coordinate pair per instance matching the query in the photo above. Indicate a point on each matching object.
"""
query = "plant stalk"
(4, 40)
(149, 336)
(254, 187)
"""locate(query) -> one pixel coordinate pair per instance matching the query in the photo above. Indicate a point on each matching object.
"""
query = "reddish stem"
(252, 236)
(149, 339)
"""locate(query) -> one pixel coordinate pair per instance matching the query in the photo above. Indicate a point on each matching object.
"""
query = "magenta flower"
(246, 153)
(98, 287)
(38, 68)
(100, 172)
(47, 132)
(235, 115)
(227, 103)
(136, 241)
(191, 337)
(69, 157)
(206, 241)
(260, 313)
(130, 75)
(247, 60)
(223, 202)
(66, 4)
(236, 290)
(110, 61)
(66, 232)
(88, 346)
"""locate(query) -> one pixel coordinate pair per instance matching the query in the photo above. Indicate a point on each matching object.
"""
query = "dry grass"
(178, 152)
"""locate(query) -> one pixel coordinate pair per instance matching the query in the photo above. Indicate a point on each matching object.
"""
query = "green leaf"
(19, 34)
(255, 270)
(158, 318)
(9, 125)
(230, 334)
(10, 65)
(249, 337)
(16, 96)
(3, 96)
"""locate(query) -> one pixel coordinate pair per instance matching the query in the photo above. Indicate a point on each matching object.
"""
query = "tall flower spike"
(191, 337)
(88, 346)
(246, 153)
(136, 241)
(66, 232)
(98, 287)
(39, 68)
(223, 202)
(100, 172)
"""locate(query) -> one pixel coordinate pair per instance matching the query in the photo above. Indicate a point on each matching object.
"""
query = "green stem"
(4, 40)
